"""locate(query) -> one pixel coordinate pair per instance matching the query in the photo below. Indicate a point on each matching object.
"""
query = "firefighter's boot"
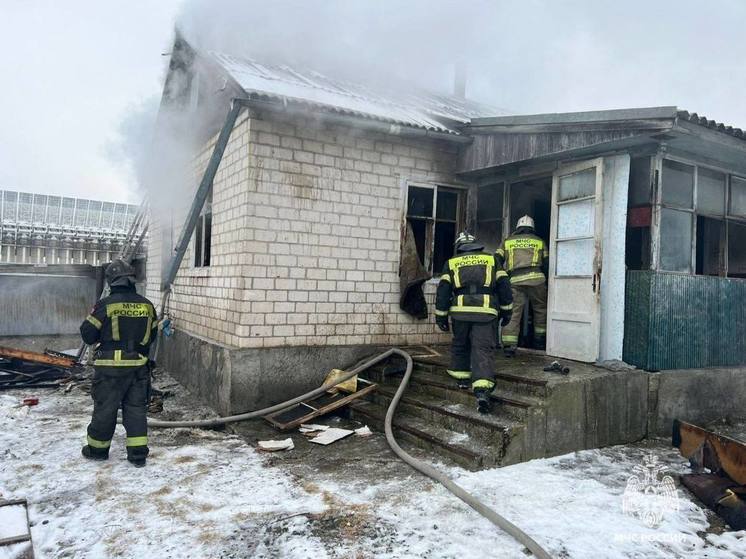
(463, 383)
(93, 453)
(483, 401)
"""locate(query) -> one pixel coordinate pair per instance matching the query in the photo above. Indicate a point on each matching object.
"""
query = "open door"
(574, 305)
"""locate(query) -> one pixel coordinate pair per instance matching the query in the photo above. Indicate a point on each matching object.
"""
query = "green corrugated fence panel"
(637, 318)
(691, 321)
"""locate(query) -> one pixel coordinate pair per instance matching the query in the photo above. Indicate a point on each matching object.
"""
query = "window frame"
(694, 211)
(199, 260)
(462, 192)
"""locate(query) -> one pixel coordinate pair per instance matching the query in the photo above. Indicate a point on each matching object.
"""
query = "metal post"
(201, 195)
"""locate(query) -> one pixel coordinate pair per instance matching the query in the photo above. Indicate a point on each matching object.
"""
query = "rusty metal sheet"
(710, 450)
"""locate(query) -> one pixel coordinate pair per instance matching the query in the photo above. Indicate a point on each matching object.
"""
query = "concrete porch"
(535, 413)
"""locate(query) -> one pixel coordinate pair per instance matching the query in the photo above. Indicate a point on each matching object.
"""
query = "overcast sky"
(81, 79)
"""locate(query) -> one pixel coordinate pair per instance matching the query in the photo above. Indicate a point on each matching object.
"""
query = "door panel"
(574, 262)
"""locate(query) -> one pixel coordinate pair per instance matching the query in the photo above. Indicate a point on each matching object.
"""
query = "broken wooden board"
(712, 451)
(14, 527)
(55, 359)
(304, 412)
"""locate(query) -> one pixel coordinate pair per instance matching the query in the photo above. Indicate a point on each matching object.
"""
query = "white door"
(574, 305)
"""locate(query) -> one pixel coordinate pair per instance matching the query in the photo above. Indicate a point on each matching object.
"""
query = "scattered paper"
(331, 435)
(310, 430)
(273, 446)
(312, 427)
(364, 431)
(350, 385)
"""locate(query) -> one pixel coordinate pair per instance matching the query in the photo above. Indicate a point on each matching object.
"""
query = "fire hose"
(514, 531)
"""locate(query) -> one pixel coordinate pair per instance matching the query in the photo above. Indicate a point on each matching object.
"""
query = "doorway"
(533, 198)
(499, 207)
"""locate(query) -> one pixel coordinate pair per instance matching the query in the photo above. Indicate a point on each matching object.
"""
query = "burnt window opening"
(203, 235)
(490, 216)
(435, 215)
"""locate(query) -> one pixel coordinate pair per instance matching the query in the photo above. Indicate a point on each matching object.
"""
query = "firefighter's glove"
(442, 322)
(505, 317)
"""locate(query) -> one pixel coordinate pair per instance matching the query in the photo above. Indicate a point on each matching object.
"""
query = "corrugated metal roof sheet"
(704, 121)
(441, 113)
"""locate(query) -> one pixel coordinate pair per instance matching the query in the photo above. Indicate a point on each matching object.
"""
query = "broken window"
(203, 234)
(435, 214)
(693, 219)
(490, 216)
(736, 250)
(710, 246)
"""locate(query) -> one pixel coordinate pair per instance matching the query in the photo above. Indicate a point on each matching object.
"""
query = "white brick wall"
(306, 233)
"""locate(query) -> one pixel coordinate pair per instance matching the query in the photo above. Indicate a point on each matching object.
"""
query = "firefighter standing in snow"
(123, 325)
(525, 257)
(475, 292)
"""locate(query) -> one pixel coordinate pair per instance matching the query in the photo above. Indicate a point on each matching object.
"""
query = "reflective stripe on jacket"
(123, 325)
(524, 256)
(473, 287)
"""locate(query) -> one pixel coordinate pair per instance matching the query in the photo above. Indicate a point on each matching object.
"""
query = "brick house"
(293, 264)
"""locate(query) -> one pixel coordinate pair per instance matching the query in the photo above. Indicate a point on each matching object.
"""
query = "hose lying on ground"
(418, 465)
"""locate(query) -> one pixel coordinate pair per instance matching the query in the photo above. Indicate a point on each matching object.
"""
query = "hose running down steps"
(502, 523)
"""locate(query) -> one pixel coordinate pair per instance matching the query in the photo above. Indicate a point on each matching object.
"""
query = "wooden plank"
(322, 410)
(33, 357)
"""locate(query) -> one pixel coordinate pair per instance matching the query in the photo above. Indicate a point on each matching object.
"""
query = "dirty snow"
(209, 494)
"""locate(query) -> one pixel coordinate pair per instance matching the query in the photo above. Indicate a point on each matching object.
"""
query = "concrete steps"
(453, 446)
(436, 415)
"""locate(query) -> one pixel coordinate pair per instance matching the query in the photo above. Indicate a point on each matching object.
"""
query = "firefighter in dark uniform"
(525, 257)
(475, 292)
(123, 325)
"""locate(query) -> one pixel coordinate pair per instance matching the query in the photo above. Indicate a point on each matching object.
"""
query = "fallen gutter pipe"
(511, 529)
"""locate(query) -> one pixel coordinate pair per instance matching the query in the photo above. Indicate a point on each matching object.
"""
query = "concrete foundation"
(542, 414)
(233, 380)
(698, 396)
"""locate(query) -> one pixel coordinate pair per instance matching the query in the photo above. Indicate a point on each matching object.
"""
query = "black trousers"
(473, 352)
(126, 388)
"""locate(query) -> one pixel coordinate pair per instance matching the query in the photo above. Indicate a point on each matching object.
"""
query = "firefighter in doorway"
(123, 325)
(525, 257)
(474, 291)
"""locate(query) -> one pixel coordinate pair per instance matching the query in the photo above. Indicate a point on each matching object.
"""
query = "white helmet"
(525, 221)
(464, 238)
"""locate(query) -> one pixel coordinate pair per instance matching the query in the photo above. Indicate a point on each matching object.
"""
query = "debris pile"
(51, 369)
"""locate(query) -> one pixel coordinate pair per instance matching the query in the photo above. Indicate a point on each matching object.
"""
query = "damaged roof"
(416, 108)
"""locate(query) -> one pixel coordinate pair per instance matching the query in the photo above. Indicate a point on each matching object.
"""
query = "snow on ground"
(208, 494)
(202, 494)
